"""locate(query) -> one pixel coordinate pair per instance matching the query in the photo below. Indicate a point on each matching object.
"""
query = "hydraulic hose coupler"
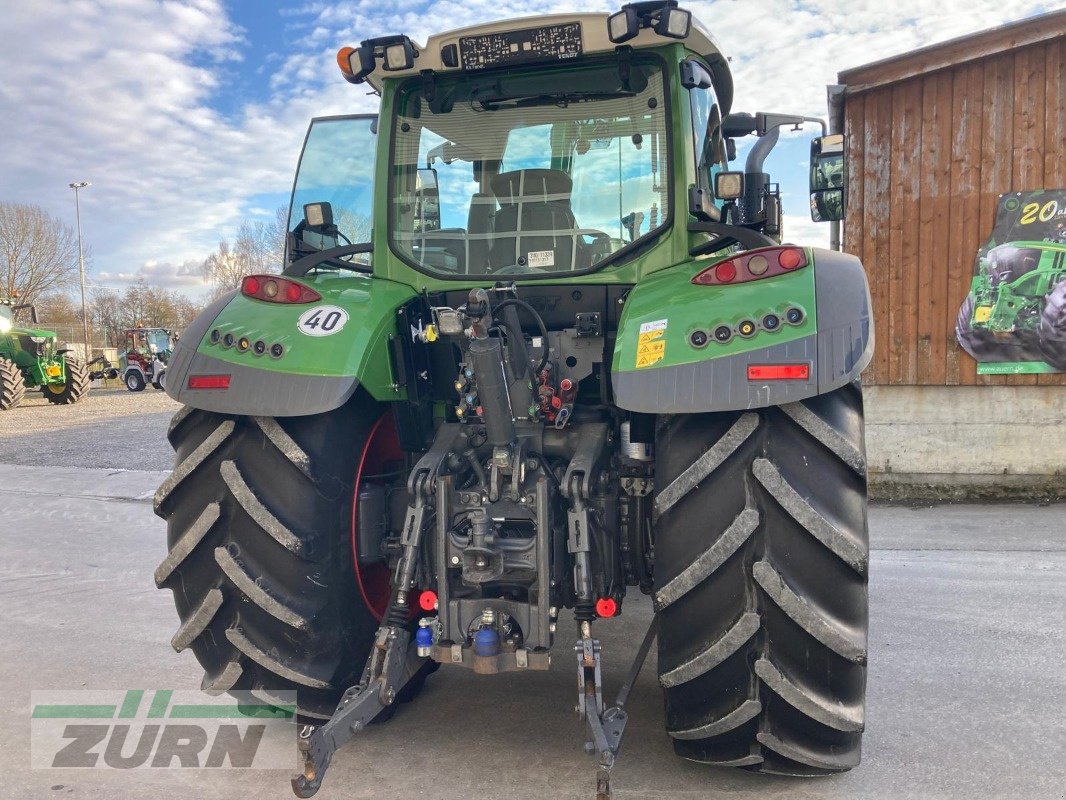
(424, 637)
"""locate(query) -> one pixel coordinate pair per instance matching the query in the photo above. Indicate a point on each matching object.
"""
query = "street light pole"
(81, 269)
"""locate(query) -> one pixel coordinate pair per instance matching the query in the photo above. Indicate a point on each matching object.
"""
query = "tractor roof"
(437, 54)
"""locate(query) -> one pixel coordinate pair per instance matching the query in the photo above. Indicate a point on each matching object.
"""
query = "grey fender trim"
(839, 351)
(253, 391)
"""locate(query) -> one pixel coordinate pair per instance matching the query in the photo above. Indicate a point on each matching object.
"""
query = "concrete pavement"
(965, 700)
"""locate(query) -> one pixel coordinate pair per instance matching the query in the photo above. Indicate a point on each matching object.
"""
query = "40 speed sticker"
(322, 321)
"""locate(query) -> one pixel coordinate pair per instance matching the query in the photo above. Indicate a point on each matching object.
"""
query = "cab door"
(333, 193)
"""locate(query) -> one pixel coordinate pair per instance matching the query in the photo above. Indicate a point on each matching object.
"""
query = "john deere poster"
(1014, 318)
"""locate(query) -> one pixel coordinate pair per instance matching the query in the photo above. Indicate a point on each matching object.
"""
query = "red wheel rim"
(381, 447)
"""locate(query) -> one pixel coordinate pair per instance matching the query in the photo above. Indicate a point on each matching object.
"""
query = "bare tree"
(141, 306)
(258, 248)
(108, 315)
(38, 252)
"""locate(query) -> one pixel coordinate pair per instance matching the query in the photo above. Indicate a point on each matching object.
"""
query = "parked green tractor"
(29, 360)
(536, 347)
(1016, 309)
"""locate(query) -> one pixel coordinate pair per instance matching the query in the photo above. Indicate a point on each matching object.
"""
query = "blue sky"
(188, 115)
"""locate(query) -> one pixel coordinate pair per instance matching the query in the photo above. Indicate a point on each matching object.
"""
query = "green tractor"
(535, 347)
(1016, 308)
(29, 360)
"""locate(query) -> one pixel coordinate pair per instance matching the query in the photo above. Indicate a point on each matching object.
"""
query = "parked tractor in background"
(144, 361)
(30, 359)
(535, 347)
(1016, 308)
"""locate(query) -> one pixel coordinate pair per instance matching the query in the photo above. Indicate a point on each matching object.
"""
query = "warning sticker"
(651, 343)
(540, 258)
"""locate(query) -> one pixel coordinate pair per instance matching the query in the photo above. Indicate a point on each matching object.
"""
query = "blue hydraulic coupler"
(424, 637)
(486, 642)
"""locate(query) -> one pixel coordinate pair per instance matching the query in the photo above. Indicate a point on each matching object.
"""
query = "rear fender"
(659, 368)
(314, 374)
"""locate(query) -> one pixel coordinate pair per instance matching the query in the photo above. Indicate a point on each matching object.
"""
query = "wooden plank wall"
(928, 158)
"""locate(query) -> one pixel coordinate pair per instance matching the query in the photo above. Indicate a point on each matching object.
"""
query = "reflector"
(779, 372)
(208, 381)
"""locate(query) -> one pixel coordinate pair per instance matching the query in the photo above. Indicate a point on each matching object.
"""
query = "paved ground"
(966, 691)
(111, 428)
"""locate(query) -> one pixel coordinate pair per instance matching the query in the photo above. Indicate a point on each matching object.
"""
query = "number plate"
(550, 43)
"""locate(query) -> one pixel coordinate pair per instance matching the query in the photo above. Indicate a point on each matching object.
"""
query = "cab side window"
(706, 127)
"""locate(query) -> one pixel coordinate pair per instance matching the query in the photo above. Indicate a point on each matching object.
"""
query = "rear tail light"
(753, 265)
(275, 289)
(779, 372)
(208, 381)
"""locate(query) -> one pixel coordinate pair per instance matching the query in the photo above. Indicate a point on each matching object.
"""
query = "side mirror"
(828, 178)
(427, 205)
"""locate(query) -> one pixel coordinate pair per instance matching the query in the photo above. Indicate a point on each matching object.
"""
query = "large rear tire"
(75, 388)
(12, 387)
(761, 584)
(258, 514)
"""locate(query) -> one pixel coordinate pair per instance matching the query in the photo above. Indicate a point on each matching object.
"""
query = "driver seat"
(535, 222)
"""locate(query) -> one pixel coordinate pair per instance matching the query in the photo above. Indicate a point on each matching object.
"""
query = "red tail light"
(779, 372)
(208, 381)
(275, 289)
(753, 265)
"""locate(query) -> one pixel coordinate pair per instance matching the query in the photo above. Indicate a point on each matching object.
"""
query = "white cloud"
(169, 275)
(121, 92)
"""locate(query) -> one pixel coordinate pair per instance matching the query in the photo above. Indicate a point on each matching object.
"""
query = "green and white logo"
(162, 729)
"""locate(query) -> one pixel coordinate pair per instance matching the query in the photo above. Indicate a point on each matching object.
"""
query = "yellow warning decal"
(651, 343)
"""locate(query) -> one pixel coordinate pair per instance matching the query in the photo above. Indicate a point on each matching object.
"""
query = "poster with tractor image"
(1013, 320)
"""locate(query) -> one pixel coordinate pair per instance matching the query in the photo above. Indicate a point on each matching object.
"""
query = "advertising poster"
(1013, 320)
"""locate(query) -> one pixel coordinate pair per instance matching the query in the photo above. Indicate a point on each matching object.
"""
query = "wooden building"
(934, 137)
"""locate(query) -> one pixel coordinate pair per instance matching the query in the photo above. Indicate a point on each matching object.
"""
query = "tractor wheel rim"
(382, 445)
(56, 388)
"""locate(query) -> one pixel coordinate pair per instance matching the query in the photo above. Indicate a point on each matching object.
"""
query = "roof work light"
(395, 52)
(665, 18)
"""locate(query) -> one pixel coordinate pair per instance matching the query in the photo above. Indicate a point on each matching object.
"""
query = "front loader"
(536, 347)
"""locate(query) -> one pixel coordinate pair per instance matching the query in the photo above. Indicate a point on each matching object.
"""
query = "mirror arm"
(301, 266)
(726, 235)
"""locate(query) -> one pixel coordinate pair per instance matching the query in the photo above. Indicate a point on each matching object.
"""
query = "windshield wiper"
(302, 266)
(561, 99)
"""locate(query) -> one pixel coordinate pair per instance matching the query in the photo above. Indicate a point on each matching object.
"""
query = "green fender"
(668, 361)
(314, 373)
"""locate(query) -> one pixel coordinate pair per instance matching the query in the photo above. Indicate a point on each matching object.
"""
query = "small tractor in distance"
(1016, 309)
(536, 347)
(144, 361)
(29, 359)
